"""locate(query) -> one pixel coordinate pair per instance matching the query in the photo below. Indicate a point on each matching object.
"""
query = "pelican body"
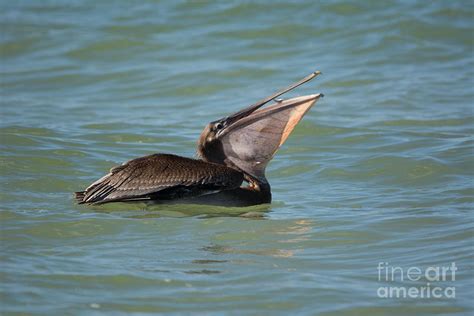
(233, 154)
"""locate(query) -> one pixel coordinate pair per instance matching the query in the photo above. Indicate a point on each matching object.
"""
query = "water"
(380, 170)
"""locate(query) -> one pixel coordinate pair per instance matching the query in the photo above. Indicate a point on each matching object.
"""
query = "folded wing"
(160, 177)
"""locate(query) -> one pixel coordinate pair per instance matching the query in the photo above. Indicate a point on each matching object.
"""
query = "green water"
(380, 170)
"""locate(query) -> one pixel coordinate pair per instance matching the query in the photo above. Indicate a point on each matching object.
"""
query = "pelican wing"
(160, 177)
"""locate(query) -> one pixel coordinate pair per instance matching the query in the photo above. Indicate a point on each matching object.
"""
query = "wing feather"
(160, 176)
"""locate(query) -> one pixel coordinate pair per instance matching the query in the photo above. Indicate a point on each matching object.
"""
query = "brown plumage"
(163, 177)
(233, 150)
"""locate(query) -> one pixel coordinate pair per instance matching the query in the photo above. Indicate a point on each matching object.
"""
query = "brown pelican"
(234, 152)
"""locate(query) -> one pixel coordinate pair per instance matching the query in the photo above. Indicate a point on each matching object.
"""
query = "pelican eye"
(219, 126)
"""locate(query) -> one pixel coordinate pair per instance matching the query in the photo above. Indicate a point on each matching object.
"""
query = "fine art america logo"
(416, 282)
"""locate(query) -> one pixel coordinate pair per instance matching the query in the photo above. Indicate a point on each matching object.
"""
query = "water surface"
(380, 170)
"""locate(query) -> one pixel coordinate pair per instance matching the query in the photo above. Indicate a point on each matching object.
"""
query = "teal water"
(380, 170)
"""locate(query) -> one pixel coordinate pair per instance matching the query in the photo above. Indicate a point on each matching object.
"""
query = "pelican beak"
(250, 142)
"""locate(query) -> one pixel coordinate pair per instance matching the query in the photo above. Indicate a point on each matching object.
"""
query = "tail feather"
(80, 196)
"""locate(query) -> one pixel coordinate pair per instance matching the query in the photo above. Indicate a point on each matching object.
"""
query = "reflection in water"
(204, 271)
(145, 211)
(207, 261)
(297, 231)
(218, 249)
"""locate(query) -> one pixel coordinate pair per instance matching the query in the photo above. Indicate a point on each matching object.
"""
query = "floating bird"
(234, 152)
